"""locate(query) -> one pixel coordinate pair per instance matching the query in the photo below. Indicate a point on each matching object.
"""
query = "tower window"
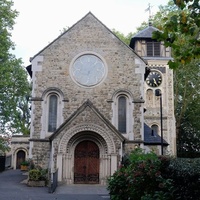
(154, 128)
(153, 49)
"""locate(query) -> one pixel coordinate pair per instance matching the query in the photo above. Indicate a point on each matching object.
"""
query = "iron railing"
(53, 181)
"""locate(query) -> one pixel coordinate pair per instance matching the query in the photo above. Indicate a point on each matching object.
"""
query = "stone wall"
(51, 69)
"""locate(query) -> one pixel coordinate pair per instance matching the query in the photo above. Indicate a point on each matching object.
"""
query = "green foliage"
(152, 177)
(14, 86)
(122, 37)
(34, 175)
(4, 145)
(186, 178)
(180, 30)
(25, 163)
(187, 105)
(186, 71)
(38, 174)
(139, 179)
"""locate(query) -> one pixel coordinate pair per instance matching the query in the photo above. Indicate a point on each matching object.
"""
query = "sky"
(41, 21)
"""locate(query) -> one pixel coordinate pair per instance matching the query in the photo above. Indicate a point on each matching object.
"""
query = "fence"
(54, 182)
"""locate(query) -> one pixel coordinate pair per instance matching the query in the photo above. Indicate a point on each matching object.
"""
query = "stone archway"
(86, 163)
(108, 144)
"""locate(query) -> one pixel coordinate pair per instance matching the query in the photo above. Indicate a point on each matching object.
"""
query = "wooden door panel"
(20, 158)
(86, 165)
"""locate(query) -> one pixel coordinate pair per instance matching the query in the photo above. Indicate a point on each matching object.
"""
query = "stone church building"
(93, 101)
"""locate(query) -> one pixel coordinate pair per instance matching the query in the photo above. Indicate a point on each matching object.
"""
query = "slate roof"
(146, 33)
(143, 34)
(152, 138)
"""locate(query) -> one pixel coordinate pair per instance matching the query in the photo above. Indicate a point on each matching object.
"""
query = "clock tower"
(159, 116)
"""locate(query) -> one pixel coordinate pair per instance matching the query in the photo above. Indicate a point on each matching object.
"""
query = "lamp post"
(158, 93)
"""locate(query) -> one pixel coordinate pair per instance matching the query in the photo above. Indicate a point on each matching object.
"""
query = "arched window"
(149, 98)
(123, 110)
(154, 128)
(122, 114)
(52, 114)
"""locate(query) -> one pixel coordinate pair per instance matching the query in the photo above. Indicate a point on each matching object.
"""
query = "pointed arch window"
(52, 114)
(122, 114)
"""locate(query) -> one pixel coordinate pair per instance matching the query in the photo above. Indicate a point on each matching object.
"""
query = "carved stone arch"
(21, 148)
(87, 135)
(92, 128)
(124, 92)
(53, 90)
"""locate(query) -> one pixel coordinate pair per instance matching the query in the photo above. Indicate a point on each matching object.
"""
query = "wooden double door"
(86, 163)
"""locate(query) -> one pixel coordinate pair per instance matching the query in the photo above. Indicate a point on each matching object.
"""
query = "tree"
(186, 78)
(187, 109)
(14, 85)
(122, 37)
(181, 31)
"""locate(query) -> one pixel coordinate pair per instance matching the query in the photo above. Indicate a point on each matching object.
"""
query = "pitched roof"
(146, 33)
(151, 137)
(88, 14)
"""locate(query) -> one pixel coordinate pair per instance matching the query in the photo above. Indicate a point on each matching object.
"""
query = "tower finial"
(149, 9)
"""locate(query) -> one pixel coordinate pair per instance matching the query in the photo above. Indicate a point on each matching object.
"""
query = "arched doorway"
(21, 155)
(86, 163)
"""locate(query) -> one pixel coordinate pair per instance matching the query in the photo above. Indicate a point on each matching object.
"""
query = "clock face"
(154, 79)
(88, 70)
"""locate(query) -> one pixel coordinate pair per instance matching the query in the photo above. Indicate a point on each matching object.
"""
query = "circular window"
(88, 70)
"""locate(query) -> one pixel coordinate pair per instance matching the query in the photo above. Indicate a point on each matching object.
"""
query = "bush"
(38, 175)
(25, 163)
(151, 177)
(186, 178)
(140, 178)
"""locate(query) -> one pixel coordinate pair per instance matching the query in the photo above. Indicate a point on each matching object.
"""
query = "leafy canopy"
(14, 85)
(181, 31)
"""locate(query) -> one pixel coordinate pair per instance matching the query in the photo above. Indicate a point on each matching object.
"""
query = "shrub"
(140, 178)
(186, 178)
(38, 175)
(151, 177)
(25, 163)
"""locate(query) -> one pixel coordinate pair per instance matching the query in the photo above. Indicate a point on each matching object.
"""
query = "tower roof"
(146, 33)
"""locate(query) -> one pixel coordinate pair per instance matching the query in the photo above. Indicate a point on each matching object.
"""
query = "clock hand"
(154, 80)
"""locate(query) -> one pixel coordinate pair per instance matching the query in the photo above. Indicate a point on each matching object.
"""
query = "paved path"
(13, 187)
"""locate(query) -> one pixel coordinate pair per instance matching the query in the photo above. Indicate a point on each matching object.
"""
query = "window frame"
(53, 119)
(152, 49)
(121, 121)
(129, 112)
(45, 110)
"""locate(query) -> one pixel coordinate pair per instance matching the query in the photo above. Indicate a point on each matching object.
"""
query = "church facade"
(89, 96)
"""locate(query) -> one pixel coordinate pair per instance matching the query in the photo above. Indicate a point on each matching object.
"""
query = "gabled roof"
(152, 138)
(81, 109)
(89, 13)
